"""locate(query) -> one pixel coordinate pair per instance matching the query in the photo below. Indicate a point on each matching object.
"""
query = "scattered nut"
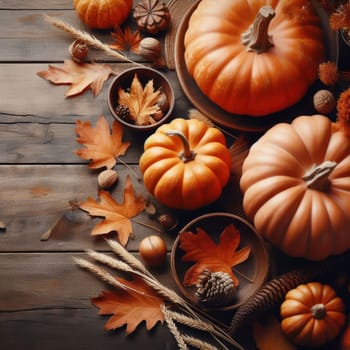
(151, 49)
(78, 50)
(324, 101)
(107, 178)
(163, 102)
(167, 221)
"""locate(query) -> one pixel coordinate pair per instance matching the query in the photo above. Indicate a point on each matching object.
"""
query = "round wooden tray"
(256, 267)
(218, 115)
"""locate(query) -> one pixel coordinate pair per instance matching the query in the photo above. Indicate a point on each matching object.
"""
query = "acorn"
(107, 178)
(167, 221)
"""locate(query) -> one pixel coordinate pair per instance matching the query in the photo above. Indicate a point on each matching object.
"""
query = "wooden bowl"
(251, 274)
(144, 74)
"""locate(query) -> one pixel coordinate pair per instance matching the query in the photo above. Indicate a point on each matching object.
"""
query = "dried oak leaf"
(199, 247)
(116, 216)
(137, 303)
(103, 145)
(268, 335)
(81, 76)
(142, 102)
(125, 40)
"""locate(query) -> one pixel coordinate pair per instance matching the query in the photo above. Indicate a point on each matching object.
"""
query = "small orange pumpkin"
(105, 14)
(254, 57)
(185, 164)
(345, 338)
(312, 314)
(296, 187)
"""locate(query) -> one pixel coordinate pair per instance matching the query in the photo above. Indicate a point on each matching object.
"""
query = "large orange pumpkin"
(185, 164)
(104, 14)
(312, 314)
(296, 186)
(253, 59)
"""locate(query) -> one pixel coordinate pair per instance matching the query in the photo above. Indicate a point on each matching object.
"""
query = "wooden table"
(44, 295)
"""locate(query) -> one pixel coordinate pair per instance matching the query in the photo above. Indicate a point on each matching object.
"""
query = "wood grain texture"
(45, 304)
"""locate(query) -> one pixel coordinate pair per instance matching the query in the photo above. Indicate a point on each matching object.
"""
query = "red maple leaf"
(117, 216)
(102, 145)
(201, 249)
(137, 303)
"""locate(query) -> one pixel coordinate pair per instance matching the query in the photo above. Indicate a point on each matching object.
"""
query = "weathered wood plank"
(36, 4)
(25, 97)
(45, 304)
(26, 36)
(25, 143)
(34, 197)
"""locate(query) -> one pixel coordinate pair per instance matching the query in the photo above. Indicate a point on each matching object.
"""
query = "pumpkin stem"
(317, 177)
(318, 311)
(256, 38)
(187, 154)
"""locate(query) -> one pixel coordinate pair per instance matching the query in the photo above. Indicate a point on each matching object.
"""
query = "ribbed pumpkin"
(185, 164)
(103, 14)
(296, 187)
(312, 314)
(254, 57)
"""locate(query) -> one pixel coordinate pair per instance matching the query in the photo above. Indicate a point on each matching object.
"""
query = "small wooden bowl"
(144, 74)
(256, 267)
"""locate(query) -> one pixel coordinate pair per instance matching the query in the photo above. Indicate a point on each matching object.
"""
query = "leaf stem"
(146, 225)
(130, 168)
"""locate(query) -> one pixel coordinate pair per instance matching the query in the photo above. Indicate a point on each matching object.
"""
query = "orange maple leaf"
(102, 146)
(81, 76)
(199, 247)
(125, 40)
(117, 216)
(137, 303)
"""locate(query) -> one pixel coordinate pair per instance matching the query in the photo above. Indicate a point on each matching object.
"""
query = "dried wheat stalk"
(88, 38)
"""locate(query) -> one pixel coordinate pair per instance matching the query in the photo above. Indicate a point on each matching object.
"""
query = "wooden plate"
(255, 269)
(235, 121)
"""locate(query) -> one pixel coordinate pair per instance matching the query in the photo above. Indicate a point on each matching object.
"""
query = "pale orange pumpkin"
(296, 187)
(104, 14)
(312, 314)
(185, 164)
(254, 70)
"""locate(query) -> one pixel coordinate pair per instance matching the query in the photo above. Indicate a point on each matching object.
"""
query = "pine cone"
(123, 112)
(215, 288)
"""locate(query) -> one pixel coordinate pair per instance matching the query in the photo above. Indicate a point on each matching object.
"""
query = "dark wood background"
(44, 296)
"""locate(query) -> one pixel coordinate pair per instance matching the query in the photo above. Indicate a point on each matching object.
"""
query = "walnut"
(152, 16)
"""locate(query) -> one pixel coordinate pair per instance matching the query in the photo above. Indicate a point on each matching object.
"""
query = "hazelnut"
(324, 101)
(107, 178)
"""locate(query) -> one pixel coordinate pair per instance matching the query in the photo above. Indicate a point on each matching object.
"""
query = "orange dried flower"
(328, 73)
(340, 18)
(343, 111)
(126, 39)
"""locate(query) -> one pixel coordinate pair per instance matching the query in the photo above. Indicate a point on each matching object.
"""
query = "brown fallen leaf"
(117, 216)
(126, 39)
(102, 145)
(141, 101)
(268, 335)
(200, 248)
(81, 76)
(137, 303)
